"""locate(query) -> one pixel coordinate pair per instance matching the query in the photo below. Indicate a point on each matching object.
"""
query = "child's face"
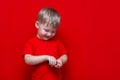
(45, 32)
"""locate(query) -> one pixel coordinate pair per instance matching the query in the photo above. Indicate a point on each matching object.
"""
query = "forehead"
(51, 27)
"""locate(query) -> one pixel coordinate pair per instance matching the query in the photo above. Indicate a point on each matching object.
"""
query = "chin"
(46, 38)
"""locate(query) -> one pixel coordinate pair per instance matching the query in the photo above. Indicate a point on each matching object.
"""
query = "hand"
(58, 64)
(52, 60)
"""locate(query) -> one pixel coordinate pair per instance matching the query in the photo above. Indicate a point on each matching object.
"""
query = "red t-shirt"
(51, 47)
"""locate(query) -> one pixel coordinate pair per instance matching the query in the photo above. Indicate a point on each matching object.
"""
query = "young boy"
(44, 50)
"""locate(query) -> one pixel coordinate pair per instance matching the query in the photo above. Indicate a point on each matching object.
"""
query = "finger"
(52, 62)
(56, 66)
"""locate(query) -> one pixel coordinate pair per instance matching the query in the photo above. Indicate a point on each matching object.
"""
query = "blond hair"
(49, 16)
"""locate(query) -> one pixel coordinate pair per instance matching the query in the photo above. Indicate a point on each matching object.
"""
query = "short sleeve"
(61, 49)
(28, 49)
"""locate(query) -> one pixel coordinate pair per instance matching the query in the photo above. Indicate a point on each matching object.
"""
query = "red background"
(89, 30)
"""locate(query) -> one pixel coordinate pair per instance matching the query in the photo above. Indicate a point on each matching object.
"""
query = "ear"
(37, 24)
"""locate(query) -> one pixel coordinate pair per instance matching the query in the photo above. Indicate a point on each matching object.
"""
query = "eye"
(53, 31)
(46, 30)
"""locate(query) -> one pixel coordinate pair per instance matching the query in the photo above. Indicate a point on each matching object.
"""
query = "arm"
(63, 58)
(33, 60)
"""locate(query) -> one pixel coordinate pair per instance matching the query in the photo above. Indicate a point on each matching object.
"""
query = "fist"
(52, 60)
(58, 64)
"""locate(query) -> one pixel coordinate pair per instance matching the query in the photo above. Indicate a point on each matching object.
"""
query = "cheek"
(53, 34)
(42, 32)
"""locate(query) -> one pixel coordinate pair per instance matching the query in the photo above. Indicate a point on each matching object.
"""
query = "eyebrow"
(49, 30)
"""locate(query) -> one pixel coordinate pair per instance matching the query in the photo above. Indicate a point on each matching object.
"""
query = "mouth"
(46, 38)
